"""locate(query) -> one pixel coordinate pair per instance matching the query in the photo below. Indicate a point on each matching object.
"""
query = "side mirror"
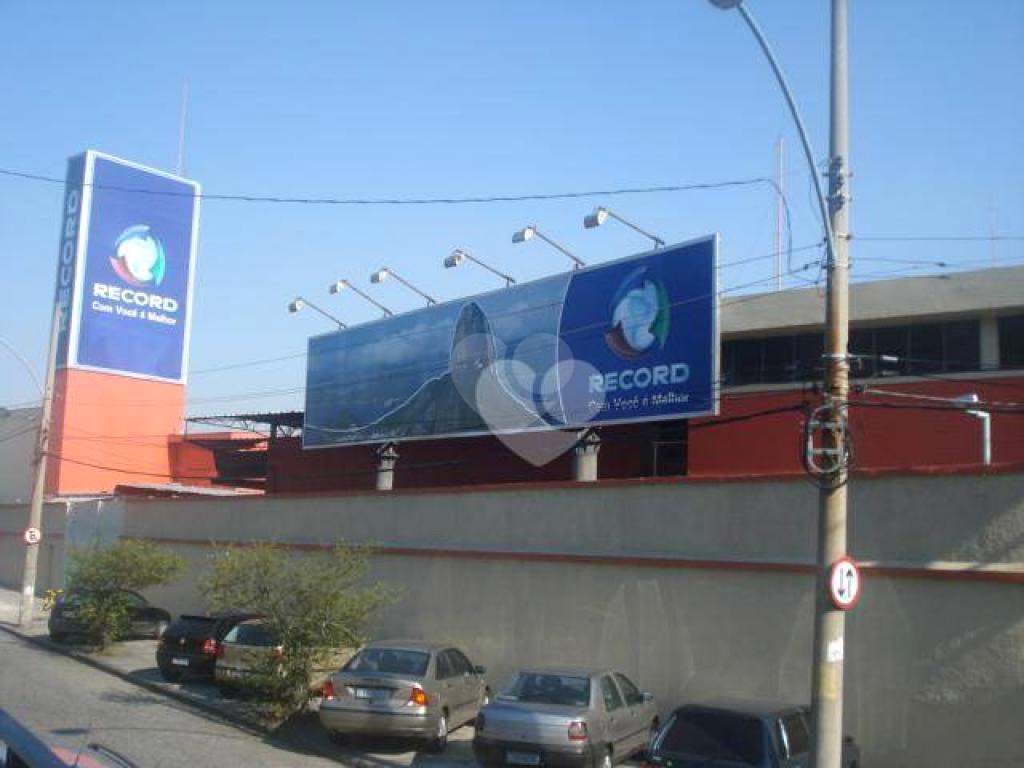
(480, 670)
(647, 696)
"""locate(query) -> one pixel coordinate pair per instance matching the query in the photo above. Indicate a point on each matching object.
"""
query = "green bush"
(98, 574)
(315, 605)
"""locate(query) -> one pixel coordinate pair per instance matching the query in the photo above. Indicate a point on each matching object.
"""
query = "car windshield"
(540, 688)
(714, 736)
(395, 661)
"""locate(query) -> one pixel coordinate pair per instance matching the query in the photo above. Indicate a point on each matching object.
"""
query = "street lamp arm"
(805, 142)
(25, 364)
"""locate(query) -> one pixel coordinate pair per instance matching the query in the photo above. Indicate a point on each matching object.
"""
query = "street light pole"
(829, 621)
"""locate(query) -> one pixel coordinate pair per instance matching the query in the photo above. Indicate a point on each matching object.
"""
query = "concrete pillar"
(989, 343)
(584, 466)
(387, 455)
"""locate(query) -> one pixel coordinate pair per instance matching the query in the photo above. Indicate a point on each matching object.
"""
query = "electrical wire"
(401, 201)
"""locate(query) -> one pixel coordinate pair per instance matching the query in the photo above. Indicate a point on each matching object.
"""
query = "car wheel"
(170, 674)
(440, 740)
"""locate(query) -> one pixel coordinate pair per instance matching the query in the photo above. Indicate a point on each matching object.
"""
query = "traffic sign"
(844, 583)
(33, 535)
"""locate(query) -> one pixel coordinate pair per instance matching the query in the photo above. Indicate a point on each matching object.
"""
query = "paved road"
(68, 703)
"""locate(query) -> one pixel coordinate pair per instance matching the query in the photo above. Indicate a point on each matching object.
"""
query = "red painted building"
(918, 344)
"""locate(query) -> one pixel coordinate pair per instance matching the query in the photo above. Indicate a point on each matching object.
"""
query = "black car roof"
(750, 707)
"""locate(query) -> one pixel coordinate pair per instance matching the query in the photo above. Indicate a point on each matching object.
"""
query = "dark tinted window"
(551, 689)
(460, 663)
(610, 694)
(397, 661)
(192, 626)
(251, 634)
(1011, 341)
(797, 734)
(709, 735)
(629, 691)
(445, 668)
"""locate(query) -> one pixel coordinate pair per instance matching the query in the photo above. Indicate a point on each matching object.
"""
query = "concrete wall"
(694, 589)
(19, 430)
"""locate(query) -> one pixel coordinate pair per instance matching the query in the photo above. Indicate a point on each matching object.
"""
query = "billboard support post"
(387, 456)
(584, 464)
(35, 515)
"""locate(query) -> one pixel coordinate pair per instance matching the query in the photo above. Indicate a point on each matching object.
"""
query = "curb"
(243, 723)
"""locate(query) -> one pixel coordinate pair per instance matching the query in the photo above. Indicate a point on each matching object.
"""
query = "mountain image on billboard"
(631, 340)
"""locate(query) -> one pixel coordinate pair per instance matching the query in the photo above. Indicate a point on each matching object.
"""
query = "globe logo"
(139, 257)
(640, 315)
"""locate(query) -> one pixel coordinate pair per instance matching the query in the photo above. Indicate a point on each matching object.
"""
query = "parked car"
(575, 718)
(145, 620)
(247, 652)
(191, 644)
(404, 688)
(748, 734)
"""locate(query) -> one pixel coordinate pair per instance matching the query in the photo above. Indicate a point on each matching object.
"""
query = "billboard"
(125, 268)
(627, 341)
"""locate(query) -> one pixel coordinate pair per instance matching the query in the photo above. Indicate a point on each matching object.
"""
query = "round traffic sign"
(844, 583)
(33, 535)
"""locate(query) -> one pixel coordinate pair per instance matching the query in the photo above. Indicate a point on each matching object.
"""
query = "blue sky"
(463, 99)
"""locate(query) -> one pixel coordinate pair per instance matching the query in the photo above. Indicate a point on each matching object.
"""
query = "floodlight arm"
(595, 219)
(387, 272)
(458, 252)
(299, 302)
(342, 284)
(532, 231)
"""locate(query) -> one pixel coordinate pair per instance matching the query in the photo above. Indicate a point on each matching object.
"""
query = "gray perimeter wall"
(695, 590)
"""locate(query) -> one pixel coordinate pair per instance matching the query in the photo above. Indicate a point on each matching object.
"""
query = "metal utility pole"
(829, 619)
(35, 514)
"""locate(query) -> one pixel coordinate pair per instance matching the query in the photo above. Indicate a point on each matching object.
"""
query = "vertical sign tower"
(124, 286)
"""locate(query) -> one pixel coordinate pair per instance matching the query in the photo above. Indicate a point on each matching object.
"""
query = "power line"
(358, 201)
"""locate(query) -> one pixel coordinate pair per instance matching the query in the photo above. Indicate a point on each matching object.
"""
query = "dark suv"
(191, 643)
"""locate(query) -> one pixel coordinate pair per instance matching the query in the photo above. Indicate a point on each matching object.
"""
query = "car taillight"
(328, 690)
(418, 697)
(481, 721)
(577, 730)
(210, 647)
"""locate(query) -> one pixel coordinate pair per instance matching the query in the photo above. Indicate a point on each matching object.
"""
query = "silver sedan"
(404, 688)
(566, 718)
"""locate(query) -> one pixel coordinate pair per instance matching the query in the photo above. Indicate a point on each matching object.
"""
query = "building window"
(1011, 341)
(894, 350)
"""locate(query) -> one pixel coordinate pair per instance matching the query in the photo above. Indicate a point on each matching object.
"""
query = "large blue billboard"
(631, 340)
(125, 269)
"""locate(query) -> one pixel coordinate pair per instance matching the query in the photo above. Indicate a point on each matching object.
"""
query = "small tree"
(314, 605)
(100, 574)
